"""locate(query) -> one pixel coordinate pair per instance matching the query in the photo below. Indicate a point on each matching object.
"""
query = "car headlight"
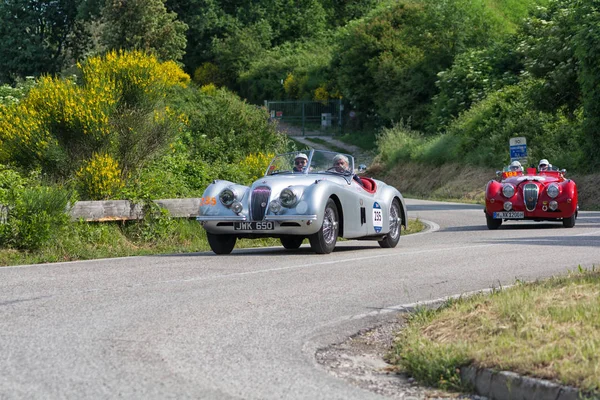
(553, 190)
(227, 197)
(508, 190)
(275, 206)
(287, 198)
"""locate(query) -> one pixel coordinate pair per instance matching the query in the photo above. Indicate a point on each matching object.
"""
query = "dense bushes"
(117, 109)
(32, 214)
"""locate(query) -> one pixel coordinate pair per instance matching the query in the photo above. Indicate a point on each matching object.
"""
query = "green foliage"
(587, 50)
(35, 216)
(13, 94)
(549, 53)
(225, 128)
(484, 131)
(208, 73)
(36, 36)
(143, 25)
(429, 362)
(226, 138)
(234, 52)
(118, 109)
(307, 61)
(387, 63)
(473, 75)
(155, 226)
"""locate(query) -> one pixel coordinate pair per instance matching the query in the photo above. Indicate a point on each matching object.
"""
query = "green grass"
(85, 241)
(330, 146)
(547, 329)
(365, 140)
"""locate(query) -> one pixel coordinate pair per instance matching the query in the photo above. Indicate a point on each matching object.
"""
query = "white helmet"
(301, 155)
(515, 166)
(543, 164)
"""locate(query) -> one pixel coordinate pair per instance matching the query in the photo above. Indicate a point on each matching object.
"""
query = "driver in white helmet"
(300, 162)
(515, 166)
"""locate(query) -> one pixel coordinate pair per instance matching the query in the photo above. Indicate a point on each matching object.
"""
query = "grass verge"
(547, 329)
(86, 241)
(324, 142)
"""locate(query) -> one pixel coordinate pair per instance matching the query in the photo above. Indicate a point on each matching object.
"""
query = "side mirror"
(563, 171)
(498, 174)
(362, 168)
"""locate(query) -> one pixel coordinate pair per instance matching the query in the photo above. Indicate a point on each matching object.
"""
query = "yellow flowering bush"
(136, 75)
(256, 164)
(100, 177)
(210, 89)
(321, 94)
(117, 108)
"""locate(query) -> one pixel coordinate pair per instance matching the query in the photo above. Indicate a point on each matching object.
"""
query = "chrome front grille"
(530, 196)
(259, 202)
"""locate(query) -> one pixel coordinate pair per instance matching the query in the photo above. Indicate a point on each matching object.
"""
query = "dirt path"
(312, 140)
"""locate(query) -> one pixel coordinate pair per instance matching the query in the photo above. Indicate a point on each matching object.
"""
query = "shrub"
(99, 177)
(117, 109)
(35, 216)
(484, 131)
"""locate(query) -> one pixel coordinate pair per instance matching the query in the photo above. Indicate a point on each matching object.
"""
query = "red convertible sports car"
(536, 196)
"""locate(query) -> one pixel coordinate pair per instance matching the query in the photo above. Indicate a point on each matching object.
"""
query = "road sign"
(518, 149)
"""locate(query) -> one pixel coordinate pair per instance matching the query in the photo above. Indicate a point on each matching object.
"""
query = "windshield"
(312, 162)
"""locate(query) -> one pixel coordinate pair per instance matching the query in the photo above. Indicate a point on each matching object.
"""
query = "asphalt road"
(248, 325)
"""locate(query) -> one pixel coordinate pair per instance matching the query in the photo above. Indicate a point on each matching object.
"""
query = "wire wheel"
(323, 241)
(395, 223)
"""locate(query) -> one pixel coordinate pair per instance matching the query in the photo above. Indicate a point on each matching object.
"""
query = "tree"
(388, 62)
(35, 36)
(143, 25)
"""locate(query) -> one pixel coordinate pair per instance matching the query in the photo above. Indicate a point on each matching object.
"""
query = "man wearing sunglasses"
(300, 162)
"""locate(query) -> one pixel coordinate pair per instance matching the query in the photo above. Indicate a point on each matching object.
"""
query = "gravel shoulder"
(359, 360)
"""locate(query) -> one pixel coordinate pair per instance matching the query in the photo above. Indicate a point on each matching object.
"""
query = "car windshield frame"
(319, 162)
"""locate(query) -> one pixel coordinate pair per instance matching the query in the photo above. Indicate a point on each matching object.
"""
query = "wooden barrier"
(123, 210)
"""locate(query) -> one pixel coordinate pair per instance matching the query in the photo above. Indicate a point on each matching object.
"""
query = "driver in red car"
(544, 165)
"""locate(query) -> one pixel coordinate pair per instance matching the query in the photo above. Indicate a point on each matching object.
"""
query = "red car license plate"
(509, 215)
(254, 226)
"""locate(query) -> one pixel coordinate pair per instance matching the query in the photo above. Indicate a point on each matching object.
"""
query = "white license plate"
(509, 215)
(254, 226)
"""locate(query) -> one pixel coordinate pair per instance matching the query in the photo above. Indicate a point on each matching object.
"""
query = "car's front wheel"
(323, 241)
(221, 244)
(492, 223)
(570, 222)
(393, 236)
(291, 242)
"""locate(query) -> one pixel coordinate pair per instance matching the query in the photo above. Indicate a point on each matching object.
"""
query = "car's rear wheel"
(291, 242)
(221, 244)
(393, 236)
(492, 223)
(323, 241)
(570, 222)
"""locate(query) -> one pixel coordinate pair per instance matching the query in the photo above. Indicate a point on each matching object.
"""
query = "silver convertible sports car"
(313, 195)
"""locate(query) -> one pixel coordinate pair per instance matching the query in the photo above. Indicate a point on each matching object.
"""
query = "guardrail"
(124, 210)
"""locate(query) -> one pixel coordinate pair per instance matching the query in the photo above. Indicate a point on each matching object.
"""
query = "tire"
(323, 241)
(393, 237)
(492, 223)
(291, 242)
(221, 244)
(570, 222)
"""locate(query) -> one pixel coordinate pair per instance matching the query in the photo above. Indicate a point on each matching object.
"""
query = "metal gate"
(308, 117)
